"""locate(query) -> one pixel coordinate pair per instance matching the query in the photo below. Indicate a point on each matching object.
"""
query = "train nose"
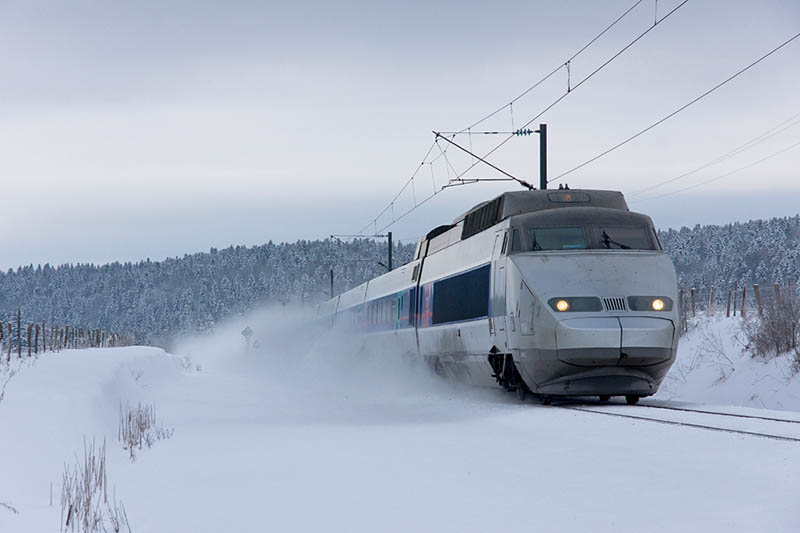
(620, 341)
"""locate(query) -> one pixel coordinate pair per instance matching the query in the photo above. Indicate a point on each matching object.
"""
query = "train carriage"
(555, 292)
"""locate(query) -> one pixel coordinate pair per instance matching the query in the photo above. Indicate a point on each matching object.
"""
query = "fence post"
(2, 329)
(735, 294)
(30, 327)
(10, 336)
(728, 313)
(36, 342)
(757, 290)
(694, 310)
(744, 296)
(19, 333)
(711, 302)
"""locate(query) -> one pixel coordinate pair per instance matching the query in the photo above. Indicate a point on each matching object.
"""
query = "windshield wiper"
(608, 241)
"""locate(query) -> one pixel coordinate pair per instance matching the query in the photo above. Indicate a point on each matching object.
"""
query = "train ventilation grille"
(614, 304)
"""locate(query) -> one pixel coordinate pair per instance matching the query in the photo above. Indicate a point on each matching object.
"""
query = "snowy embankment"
(327, 440)
(714, 366)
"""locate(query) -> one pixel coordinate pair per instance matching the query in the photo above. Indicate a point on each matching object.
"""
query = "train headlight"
(575, 304)
(649, 303)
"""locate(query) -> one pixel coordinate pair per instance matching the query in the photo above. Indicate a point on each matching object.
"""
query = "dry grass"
(778, 330)
(85, 505)
(138, 428)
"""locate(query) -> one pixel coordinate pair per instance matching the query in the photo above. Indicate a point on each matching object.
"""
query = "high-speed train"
(554, 292)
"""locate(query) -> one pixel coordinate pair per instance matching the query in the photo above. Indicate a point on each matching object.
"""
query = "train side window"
(462, 297)
(657, 240)
(505, 241)
(516, 243)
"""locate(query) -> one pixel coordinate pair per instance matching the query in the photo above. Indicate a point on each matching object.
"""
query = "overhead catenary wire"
(527, 91)
(716, 178)
(678, 110)
(763, 137)
(565, 64)
(579, 84)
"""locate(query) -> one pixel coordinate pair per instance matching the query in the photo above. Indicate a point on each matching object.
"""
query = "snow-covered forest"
(758, 251)
(155, 300)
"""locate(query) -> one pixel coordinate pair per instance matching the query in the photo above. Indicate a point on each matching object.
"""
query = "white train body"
(481, 300)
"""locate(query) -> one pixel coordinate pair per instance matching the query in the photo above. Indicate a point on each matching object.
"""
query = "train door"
(497, 320)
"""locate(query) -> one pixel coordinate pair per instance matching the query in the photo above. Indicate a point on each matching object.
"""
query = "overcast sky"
(151, 129)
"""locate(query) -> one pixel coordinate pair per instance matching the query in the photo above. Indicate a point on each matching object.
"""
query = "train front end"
(592, 303)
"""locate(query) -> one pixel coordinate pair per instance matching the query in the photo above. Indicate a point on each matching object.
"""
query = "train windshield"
(557, 239)
(591, 236)
(623, 238)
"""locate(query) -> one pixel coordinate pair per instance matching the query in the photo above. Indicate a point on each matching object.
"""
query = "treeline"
(766, 252)
(153, 301)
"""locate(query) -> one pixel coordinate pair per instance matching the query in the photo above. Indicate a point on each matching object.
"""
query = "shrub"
(778, 330)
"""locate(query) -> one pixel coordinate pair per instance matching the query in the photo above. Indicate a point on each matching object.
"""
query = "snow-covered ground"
(715, 367)
(328, 441)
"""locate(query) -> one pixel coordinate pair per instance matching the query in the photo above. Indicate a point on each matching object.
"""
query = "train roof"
(489, 213)
(517, 202)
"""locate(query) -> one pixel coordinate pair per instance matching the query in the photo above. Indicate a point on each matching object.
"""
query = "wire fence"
(730, 300)
(19, 338)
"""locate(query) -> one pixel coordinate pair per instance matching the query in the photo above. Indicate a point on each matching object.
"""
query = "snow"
(323, 438)
(714, 366)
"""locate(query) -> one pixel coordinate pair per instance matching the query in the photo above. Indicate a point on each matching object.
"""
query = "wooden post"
(744, 298)
(694, 310)
(10, 335)
(44, 338)
(777, 292)
(19, 333)
(735, 294)
(757, 290)
(66, 337)
(30, 327)
(36, 342)
(728, 313)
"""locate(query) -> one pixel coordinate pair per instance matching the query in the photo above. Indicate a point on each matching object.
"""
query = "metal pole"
(390, 251)
(542, 131)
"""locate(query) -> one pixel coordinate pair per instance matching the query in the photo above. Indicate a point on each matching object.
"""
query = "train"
(555, 293)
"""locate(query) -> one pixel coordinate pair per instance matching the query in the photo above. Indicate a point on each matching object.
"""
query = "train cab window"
(570, 238)
(625, 238)
(516, 243)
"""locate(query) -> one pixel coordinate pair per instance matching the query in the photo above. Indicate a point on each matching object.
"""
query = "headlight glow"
(650, 303)
(562, 305)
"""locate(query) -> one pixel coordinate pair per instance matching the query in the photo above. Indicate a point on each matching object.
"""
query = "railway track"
(776, 428)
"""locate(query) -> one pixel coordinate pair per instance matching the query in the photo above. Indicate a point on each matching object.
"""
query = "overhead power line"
(769, 134)
(570, 91)
(683, 107)
(565, 65)
(410, 182)
(775, 154)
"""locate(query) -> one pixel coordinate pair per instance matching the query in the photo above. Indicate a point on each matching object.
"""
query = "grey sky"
(132, 130)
